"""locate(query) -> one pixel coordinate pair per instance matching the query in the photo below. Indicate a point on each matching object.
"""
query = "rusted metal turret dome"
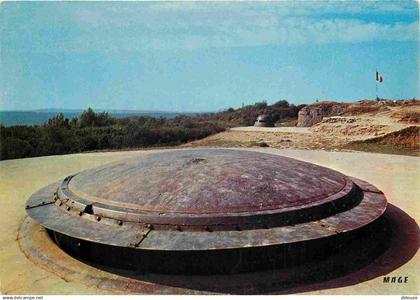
(199, 210)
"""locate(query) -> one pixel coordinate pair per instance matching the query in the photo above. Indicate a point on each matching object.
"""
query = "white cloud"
(135, 26)
(290, 31)
(234, 24)
(285, 7)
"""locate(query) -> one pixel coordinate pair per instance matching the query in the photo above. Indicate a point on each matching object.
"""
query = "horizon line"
(195, 112)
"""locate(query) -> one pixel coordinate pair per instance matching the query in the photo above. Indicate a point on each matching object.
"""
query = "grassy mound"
(405, 141)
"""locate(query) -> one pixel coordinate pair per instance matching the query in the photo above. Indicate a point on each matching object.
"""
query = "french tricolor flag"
(379, 77)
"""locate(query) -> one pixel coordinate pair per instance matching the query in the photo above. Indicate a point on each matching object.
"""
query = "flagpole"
(376, 84)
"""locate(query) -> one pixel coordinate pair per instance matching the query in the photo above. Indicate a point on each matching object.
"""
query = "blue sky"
(204, 56)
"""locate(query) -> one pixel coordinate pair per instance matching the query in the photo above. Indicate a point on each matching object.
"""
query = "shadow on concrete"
(387, 245)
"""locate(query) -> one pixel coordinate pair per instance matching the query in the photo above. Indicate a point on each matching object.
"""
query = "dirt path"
(272, 129)
(397, 176)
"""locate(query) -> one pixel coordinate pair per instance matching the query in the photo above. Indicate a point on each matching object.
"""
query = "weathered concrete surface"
(396, 176)
(18, 180)
(313, 114)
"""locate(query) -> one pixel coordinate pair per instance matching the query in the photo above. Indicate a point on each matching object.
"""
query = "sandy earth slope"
(332, 133)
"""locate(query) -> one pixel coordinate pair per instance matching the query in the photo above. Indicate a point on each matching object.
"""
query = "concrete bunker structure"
(264, 121)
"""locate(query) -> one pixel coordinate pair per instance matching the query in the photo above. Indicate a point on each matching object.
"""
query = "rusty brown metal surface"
(210, 190)
(206, 199)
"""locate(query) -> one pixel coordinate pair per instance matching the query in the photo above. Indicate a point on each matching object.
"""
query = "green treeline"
(98, 131)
